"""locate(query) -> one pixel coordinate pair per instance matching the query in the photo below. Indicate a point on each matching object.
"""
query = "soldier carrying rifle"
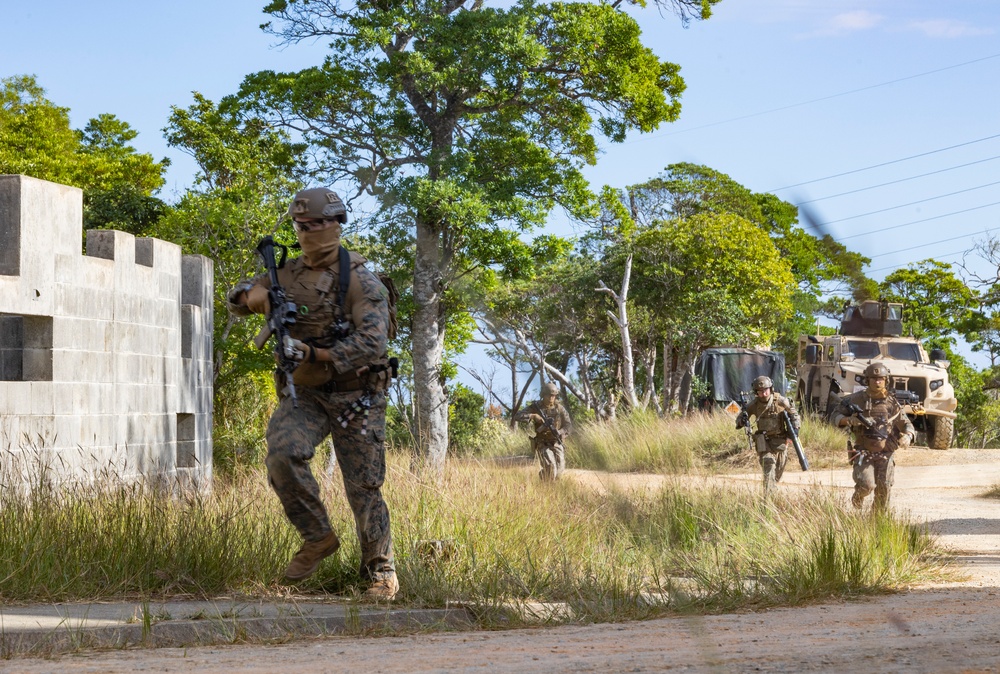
(880, 427)
(551, 424)
(333, 319)
(771, 439)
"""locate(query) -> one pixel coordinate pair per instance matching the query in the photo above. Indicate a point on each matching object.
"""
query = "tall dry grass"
(510, 539)
(700, 442)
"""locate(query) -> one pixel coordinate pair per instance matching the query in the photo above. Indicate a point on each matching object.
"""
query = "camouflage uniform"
(550, 431)
(771, 437)
(326, 392)
(874, 466)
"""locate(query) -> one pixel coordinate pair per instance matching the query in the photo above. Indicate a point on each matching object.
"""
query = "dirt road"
(942, 628)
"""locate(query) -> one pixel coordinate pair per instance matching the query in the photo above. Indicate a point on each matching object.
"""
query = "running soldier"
(771, 437)
(879, 428)
(551, 424)
(340, 340)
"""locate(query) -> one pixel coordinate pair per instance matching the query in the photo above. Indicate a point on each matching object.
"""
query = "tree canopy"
(465, 120)
(118, 182)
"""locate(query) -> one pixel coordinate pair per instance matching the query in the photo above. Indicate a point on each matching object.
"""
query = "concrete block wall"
(105, 358)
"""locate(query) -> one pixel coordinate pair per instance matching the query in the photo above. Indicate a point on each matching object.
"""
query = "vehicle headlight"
(936, 384)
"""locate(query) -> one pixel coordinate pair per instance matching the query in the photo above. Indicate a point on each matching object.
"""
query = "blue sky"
(779, 93)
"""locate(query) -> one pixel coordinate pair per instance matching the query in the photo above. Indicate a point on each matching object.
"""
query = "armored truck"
(831, 366)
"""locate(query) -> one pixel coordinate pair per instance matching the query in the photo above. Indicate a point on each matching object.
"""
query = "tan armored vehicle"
(831, 366)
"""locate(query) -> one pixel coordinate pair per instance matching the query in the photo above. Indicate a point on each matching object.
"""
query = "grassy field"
(509, 539)
(697, 443)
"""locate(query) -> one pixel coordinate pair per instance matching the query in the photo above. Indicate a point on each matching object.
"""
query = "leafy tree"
(937, 304)
(118, 182)
(466, 120)
(465, 414)
(821, 266)
(248, 172)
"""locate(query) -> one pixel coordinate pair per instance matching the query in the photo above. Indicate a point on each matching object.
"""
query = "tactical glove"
(742, 419)
(296, 350)
(905, 440)
(259, 300)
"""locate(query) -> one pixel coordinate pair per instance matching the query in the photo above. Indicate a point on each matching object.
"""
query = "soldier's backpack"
(392, 294)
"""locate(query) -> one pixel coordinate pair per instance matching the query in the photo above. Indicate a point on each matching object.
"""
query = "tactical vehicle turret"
(831, 366)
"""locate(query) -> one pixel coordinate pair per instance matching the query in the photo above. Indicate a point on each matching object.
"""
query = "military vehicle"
(831, 366)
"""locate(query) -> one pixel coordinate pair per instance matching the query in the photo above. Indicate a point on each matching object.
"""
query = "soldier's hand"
(297, 350)
(536, 418)
(742, 419)
(905, 440)
(259, 300)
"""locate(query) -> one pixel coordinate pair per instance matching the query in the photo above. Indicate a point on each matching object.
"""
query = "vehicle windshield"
(904, 351)
(863, 350)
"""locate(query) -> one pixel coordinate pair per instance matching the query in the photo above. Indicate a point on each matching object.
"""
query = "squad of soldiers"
(336, 388)
(873, 416)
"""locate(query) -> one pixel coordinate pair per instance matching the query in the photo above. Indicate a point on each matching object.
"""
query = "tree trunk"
(428, 352)
(620, 319)
(684, 396)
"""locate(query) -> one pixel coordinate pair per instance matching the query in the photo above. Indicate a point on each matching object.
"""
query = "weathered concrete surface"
(105, 358)
(53, 628)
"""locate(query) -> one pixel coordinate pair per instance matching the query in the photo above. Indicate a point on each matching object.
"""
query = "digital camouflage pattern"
(874, 466)
(771, 437)
(356, 337)
(550, 431)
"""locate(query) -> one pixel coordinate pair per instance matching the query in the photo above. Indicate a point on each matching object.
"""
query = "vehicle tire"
(941, 431)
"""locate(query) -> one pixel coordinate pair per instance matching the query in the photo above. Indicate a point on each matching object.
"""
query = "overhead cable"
(901, 180)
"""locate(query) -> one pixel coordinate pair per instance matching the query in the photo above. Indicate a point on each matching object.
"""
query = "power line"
(912, 203)
(934, 243)
(917, 222)
(901, 180)
(817, 100)
(939, 258)
(887, 163)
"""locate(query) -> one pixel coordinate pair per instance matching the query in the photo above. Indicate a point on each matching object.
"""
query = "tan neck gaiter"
(321, 249)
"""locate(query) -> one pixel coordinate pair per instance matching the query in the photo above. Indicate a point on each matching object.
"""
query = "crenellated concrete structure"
(105, 358)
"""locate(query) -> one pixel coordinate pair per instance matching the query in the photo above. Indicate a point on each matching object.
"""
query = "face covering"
(320, 248)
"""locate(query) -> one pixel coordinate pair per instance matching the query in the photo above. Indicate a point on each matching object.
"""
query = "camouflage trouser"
(553, 460)
(873, 472)
(773, 456)
(292, 436)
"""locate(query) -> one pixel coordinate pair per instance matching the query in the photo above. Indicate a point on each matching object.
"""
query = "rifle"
(871, 426)
(547, 423)
(281, 316)
(746, 415)
(790, 429)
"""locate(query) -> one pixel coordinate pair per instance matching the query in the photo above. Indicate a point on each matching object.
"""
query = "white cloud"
(852, 21)
(846, 22)
(947, 28)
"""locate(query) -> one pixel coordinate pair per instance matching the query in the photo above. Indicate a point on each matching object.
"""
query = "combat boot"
(307, 559)
(382, 589)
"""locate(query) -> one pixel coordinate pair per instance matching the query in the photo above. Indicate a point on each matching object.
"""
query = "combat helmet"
(876, 370)
(549, 389)
(318, 203)
(762, 382)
